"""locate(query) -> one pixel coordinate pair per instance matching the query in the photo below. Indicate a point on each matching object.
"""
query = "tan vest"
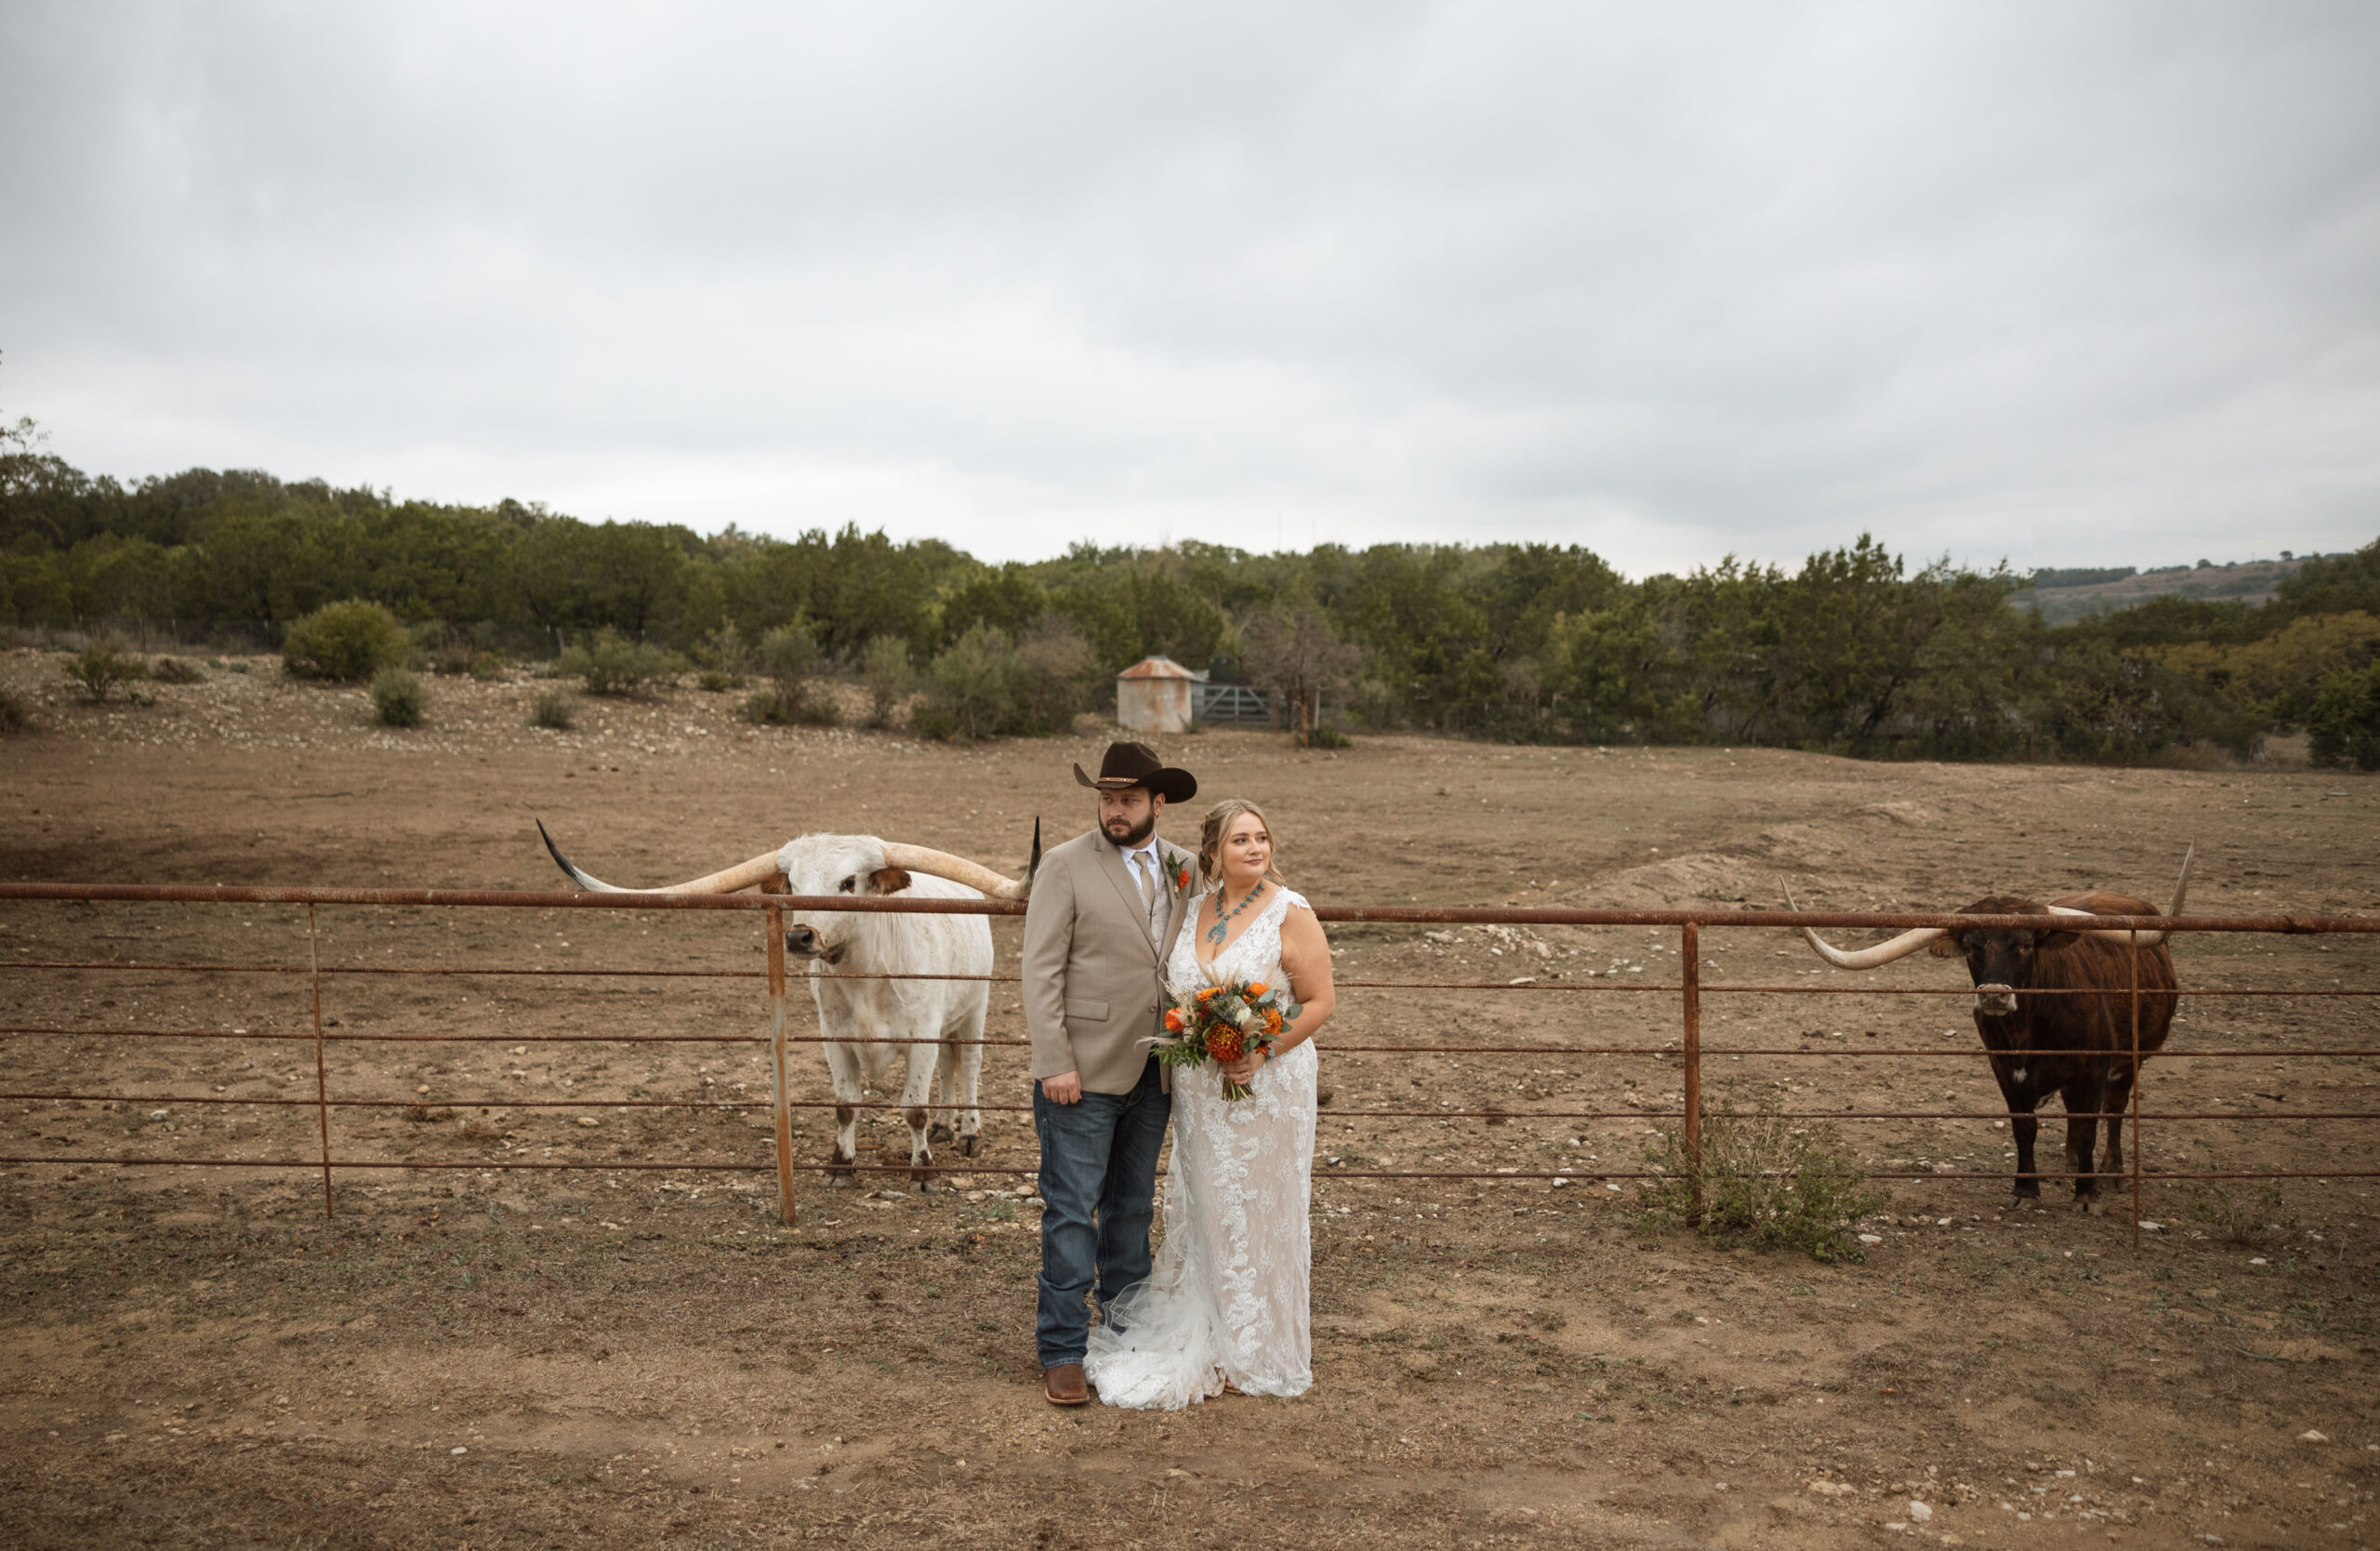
(1093, 995)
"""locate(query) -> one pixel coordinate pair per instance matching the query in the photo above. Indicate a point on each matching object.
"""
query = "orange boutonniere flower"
(1182, 878)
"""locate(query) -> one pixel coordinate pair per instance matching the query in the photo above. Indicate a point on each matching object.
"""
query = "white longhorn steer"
(866, 1019)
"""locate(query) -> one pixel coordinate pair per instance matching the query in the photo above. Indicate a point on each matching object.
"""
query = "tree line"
(1853, 652)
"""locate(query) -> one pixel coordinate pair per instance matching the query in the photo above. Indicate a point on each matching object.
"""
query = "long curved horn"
(2141, 939)
(744, 875)
(1865, 958)
(959, 869)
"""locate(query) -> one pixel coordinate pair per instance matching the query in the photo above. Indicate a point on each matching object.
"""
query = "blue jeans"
(1098, 1195)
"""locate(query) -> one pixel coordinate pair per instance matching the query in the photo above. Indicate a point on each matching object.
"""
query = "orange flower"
(1272, 1020)
(1225, 1044)
(1209, 993)
(1255, 989)
(1182, 878)
(1173, 1020)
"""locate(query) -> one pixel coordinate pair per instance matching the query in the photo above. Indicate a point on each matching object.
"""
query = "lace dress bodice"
(1229, 1294)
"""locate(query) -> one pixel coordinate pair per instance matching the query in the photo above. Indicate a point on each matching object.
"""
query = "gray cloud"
(2067, 285)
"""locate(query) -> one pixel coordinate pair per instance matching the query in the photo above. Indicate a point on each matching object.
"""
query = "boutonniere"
(1179, 865)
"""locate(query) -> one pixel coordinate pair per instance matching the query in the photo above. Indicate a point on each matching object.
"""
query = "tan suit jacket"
(1093, 995)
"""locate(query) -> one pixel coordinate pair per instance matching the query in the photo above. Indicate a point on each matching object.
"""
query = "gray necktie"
(1147, 870)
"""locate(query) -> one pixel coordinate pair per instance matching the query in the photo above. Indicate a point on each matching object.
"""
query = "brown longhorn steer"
(2055, 1010)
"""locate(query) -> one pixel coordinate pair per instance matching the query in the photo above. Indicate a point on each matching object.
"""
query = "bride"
(1225, 1306)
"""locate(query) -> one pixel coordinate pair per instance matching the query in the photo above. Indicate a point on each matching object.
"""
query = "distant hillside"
(2063, 596)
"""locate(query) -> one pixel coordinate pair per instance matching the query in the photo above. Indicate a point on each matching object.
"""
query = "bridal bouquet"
(1223, 1023)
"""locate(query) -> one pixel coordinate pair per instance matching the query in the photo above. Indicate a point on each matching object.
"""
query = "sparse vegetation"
(104, 665)
(345, 643)
(991, 686)
(176, 670)
(555, 710)
(885, 668)
(2345, 726)
(612, 664)
(725, 658)
(1767, 1182)
(14, 715)
(397, 698)
(2232, 1210)
(787, 657)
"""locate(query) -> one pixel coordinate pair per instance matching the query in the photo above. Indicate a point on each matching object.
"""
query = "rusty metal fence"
(1688, 1050)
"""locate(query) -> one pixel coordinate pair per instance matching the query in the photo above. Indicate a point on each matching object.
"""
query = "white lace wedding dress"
(1228, 1295)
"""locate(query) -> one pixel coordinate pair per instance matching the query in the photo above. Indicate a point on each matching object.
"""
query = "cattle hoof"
(967, 1145)
(940, 1132)
(2022, 1202)
(923, 1178)
(2087, 1205)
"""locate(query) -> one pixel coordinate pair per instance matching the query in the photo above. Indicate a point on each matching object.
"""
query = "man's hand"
(1064, 1088)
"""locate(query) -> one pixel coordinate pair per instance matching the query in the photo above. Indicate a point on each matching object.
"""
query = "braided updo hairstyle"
(1210, 838)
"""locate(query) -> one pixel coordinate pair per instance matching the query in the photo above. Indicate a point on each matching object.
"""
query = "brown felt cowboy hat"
(1136, 765)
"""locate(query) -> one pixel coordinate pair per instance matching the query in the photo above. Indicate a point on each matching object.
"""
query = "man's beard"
(1130, 839)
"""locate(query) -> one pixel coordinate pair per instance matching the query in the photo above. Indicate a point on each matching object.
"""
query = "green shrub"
(1767, 1181)
(2344, 725)
(612, 664)
(176, 670)
(554, 709)
(884, 667)
(773, 708)
(345, 643)
(486, 666)
(986, 685)
(724, 658)
(397, 698)
(971, 688)
(14, 715)
(102, 665)
(1329, 737)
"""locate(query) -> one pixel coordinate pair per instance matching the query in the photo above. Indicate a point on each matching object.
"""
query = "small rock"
(2313, 1435)
(2258, 1260)
(1832, 1489)
(458, 1449)
(2153, 1228)
(1559, 1182)
(589, 1120)
(158, 1114)
(1872, 1238)
(1920, 1512)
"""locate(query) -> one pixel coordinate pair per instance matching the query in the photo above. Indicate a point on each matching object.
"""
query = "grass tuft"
(1769, 1183)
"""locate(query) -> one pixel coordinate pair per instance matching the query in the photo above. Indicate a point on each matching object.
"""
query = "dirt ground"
(600, 1356)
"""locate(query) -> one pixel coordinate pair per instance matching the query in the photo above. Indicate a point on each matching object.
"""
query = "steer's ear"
(888, 879)
(1946, 948)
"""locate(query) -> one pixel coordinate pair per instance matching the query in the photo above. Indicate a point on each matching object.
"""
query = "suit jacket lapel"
(1111, 862)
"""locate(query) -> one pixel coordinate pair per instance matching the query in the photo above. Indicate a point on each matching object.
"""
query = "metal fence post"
(2135, 959)
(783, 1076)
(1690, 989)
(322, 1072)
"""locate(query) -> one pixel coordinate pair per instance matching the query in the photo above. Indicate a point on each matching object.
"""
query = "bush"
(1767, 1182)
(102, 665)
(486, 666)
(725, 657)
(971, 689)
(397, 698)
(176, 670)
(2345, 724)
(555, 710)
(772, 707)
(345, 643)
(611, 664)
(14, 715)
(1329, 737)
(884, 667)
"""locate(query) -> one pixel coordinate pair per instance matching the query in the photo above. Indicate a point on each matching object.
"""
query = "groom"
(1103, 914)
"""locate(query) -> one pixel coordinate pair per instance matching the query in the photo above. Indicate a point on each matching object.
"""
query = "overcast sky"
(2066, 284)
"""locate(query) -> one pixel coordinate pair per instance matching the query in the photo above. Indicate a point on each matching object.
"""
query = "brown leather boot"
(1062, 1385)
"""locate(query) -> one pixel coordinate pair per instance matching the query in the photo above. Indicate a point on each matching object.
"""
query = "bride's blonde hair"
(1212, 828)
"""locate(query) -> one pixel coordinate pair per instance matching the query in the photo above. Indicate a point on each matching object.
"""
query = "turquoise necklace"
(1216, 933)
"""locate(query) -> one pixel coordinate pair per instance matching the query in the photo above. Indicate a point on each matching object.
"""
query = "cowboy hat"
(1136, 765)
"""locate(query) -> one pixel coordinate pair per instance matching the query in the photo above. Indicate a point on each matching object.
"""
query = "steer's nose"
(802, 942)
(1995, 999)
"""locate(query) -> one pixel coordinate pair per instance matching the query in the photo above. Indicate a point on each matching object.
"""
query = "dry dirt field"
(596, 1356)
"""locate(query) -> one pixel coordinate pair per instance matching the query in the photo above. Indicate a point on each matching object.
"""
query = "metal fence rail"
(1688, 1051)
